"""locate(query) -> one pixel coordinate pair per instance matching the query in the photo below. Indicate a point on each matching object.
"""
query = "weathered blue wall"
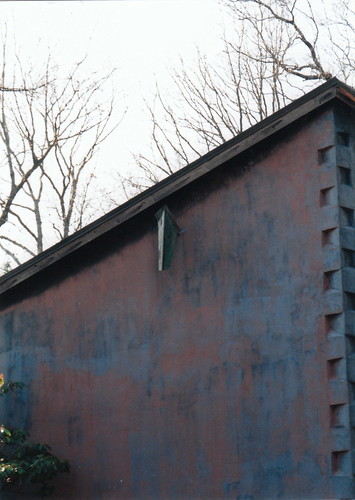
(205, 381)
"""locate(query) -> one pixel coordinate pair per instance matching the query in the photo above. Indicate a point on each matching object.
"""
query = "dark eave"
(332, 89)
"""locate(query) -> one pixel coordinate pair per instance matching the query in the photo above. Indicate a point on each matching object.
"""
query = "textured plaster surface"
(205, 381)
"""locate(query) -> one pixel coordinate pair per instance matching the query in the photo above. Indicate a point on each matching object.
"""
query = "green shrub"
(22, 462)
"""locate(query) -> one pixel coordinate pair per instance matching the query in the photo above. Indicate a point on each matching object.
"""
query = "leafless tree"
(277, 50)
(50, 131)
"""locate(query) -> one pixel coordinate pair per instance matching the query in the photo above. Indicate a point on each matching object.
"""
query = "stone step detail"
(346, 193)
(337, 224)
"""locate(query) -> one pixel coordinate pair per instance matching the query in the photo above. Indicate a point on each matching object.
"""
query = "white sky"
(141, 38)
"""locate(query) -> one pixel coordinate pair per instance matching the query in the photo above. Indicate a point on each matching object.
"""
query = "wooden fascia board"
(183, 177)
(346, 95)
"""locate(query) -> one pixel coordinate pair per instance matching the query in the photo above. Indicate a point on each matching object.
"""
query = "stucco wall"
(207, 380)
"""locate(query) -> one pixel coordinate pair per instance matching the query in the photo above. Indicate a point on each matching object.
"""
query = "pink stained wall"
(204, 381)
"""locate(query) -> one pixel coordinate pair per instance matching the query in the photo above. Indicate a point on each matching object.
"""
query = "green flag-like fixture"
(167, 233)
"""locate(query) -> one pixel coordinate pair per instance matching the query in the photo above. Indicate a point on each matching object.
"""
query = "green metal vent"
(167, 233)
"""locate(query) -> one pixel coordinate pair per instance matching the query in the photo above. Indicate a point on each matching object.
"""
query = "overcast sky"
(141, 38)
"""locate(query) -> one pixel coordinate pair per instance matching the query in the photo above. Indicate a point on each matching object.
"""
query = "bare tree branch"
(278, 50)
(48, 139)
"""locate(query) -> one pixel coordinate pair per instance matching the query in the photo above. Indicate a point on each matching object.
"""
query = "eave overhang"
(322, 95)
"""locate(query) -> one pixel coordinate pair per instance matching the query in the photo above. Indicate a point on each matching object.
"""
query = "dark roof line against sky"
(332, 89)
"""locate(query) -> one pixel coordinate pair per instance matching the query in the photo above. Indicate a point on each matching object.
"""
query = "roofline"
(320, 96)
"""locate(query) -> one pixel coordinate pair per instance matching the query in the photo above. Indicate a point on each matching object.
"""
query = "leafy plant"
(22, 462)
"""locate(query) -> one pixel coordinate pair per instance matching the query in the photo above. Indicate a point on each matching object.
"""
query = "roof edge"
(314, 99)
